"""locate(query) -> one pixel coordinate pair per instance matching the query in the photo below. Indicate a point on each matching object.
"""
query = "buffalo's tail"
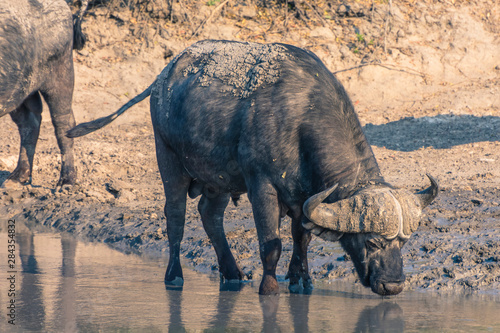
(79, 38)
(91, 126)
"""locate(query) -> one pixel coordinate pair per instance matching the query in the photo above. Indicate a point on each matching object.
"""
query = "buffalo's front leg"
(266, 213)
(298, 271)
(211, 209)
(28, 118)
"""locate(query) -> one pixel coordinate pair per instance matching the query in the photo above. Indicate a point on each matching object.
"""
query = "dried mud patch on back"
(243, 66)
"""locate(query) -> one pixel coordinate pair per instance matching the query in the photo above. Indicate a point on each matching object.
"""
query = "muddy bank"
(427, 91)
(457, 247)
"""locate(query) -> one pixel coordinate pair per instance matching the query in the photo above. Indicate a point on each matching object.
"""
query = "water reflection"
(30, 291)
(225, 307)
(269, 305)
(66, 291)
(299, 311)
(384, 317)
(69, 286)
(174, 308)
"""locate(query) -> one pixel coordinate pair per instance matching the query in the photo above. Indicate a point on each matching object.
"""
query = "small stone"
(477, 202)
(343, 10)
(248, 12)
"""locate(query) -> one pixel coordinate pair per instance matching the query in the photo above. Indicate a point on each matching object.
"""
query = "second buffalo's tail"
(79, 38)
(91, 126)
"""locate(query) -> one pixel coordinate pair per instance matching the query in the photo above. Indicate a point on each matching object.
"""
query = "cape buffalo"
(273, 121)
(36, 42)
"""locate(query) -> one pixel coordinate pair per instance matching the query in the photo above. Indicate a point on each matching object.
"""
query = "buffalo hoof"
(300, 286)
(269, 286)
(234, 275)
(70, 180)
(172, 287)
(178, 281)
(231, 285)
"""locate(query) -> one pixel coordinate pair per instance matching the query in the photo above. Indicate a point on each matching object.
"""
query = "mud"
(245, 67)
(429, 103)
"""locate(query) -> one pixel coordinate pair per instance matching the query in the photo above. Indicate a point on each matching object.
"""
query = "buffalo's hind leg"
(58, 93)
(298, 271)
(175, 184)
(211, 208)
(28, 118)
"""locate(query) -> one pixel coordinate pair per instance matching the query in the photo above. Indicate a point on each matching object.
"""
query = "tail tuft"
(91, 126)
(79, 38)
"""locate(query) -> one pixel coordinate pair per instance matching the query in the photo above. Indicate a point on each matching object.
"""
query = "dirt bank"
(425, 79)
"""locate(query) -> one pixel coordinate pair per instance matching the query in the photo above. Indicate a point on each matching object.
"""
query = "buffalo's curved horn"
(315, 200)
(426, 196)
(359, 213)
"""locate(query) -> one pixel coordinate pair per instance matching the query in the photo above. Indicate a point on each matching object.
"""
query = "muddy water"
(65, 285)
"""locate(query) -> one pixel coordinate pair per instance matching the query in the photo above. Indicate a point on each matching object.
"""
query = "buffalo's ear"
(429, 194)
(323, 233)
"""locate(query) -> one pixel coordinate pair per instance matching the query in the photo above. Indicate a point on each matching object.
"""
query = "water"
(65, 285)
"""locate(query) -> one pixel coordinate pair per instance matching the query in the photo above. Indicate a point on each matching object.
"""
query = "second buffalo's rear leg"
(175, 184)
(211, 209)
(58, 93)
(28, 118)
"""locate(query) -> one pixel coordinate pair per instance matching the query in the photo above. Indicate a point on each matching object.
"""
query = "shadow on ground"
(3, 176)
(440, 132)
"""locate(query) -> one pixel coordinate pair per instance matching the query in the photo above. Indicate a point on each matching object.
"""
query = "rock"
(322, 32)
(118, 188)
(477, 202)
(248, 12)
(345, 52)
(11, 185)
(354, 10)
(100, 196)
(8, 163)
(343, 10)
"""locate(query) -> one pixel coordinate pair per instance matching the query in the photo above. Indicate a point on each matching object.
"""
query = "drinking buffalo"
(36, 42)
(272, 121)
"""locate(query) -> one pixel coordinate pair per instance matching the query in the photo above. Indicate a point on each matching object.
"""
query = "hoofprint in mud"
(271, 121)
(36, 42)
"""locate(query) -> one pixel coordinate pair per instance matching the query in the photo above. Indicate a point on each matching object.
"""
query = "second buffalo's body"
(272, 121)
(36, 42)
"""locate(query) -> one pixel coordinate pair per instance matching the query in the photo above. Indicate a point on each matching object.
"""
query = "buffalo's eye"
(374, 244)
